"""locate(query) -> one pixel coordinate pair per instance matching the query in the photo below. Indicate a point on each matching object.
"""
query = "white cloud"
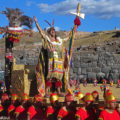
(102, 8)
(29, 3)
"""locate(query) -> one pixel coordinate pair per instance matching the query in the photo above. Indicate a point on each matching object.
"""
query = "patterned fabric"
(40, 75)
(55, 68)
(50, 63)
(71, 43)
(54, 60)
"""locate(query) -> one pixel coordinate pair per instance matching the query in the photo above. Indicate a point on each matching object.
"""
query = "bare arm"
(39, 28)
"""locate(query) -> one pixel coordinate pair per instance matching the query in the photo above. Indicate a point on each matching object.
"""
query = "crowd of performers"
(87, 108)
(105, 83)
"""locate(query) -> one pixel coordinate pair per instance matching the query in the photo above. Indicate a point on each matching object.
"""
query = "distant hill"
(82, 38)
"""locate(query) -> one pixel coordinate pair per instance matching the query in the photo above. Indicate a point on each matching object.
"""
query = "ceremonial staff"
(72, 36)
(13, 33)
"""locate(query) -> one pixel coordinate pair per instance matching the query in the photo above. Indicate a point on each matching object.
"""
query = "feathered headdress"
(51, 26)
(16, 18)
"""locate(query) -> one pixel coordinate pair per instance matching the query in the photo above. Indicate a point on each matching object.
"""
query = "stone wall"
(85, 63)
(92, 65)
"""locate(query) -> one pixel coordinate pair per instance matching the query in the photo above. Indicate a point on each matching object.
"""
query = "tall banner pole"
(71, 43)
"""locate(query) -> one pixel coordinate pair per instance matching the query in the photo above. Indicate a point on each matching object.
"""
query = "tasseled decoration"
(58, 84)
(77, 21)
(48, 83)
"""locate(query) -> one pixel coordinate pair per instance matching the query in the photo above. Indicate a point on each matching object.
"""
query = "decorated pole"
(71, 43)
(13, 33)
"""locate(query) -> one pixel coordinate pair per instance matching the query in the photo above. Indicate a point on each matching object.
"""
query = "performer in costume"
(21, 110)
(111, 83)
(95, 82)
(95, 95)
(118, 108)
(1, 109)
(104, 81)
(84, 82)
(35, 111)
(55, 49)
(52, 110)
(110, 113)
(67, 112)
(14, 104)
(5, 103)
(86, 112)
(118, 84)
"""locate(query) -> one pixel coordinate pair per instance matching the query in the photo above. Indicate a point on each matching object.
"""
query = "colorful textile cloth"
(105, 115)
(55, 58)
(50, 63)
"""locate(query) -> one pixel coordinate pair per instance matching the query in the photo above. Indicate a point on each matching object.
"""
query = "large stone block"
(96, 69)
(100, 74)
(83, 71)
(106, 69)
(91, 75)
(79, 71)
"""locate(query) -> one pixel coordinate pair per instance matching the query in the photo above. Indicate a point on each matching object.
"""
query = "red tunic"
(105, 115)
(85, 115)
(66, 115)
(50, 111)
(1, 108)
(11, 108)
(22, 112)
(36, 114)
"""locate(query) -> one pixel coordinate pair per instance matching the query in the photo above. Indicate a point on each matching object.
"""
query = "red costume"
(66, 115)
(22, 112)
(50, 111)
(11, 108)
(36, 114)
(82, 114)
(105, 115)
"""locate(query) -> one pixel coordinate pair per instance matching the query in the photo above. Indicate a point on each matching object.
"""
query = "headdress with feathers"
(51, 25)
(16, 18)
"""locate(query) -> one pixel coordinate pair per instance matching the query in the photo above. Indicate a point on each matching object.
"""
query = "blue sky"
(100, 14)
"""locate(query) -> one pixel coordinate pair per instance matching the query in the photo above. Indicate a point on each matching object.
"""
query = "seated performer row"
(89, 107)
